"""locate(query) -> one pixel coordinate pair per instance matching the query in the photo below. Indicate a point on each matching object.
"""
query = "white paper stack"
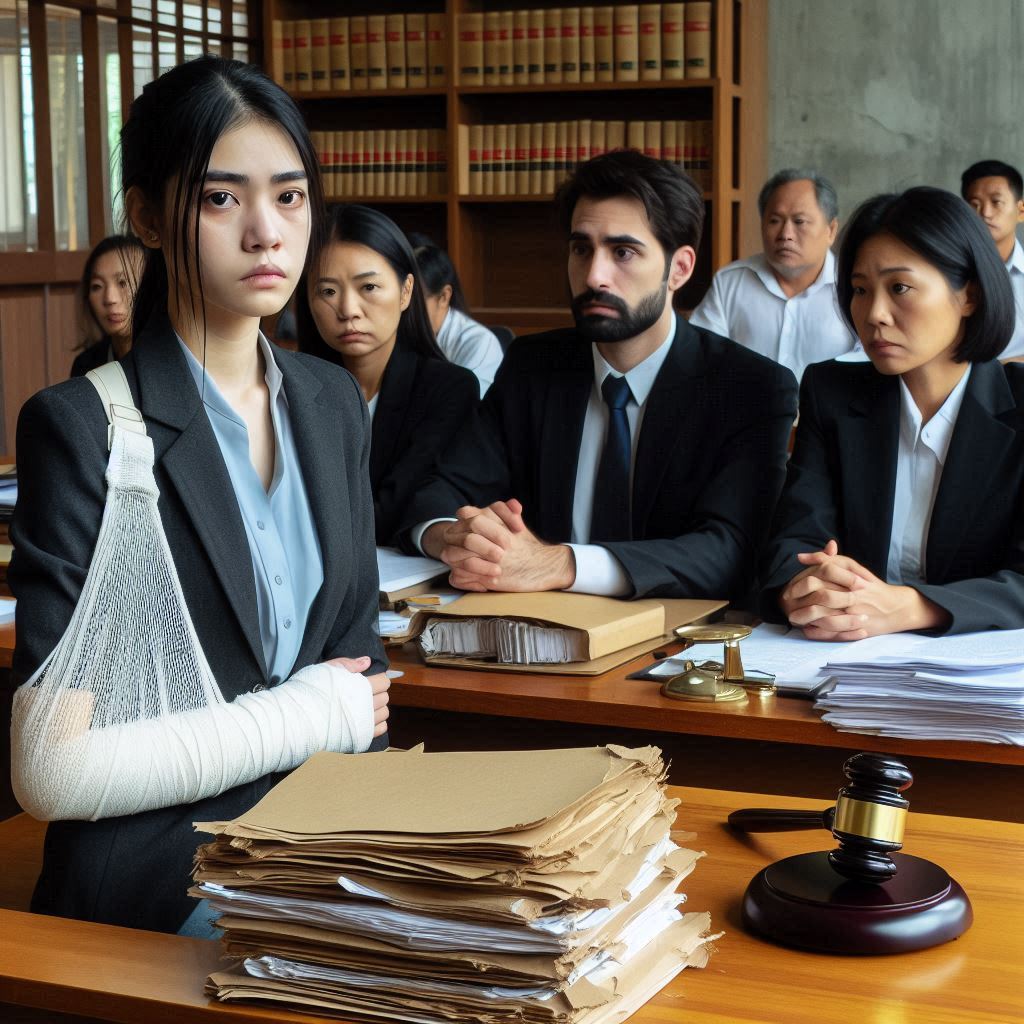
(967, 687)
(526, 886)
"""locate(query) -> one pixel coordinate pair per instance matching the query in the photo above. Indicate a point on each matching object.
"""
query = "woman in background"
(105, 298)
(904, 504)
(362, 308)
(460, 337)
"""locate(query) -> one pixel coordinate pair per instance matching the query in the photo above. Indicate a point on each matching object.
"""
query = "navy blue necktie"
(611, 517)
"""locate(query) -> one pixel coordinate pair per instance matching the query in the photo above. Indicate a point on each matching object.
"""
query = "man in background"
(782, 302)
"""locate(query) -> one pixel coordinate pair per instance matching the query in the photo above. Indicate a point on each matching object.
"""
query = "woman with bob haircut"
(904, 502)
(259, 456)
(361, 307)
(461, 338)
(105, 299)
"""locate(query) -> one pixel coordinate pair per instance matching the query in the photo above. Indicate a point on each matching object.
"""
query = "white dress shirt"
(1015, 268)
(468, 343)
(746, 303)
(598, 571)
(920, 458)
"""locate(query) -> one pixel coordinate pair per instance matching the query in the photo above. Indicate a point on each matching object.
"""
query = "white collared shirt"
(746, 303)
(1015, 268)
(598, 571)
(468, 343)
(920, 457)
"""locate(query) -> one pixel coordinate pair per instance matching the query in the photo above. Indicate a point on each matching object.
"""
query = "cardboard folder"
(617, 631)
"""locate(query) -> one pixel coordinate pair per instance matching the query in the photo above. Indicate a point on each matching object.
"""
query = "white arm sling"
(125, 715)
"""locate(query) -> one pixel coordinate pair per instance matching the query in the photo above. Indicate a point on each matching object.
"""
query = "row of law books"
(624, 43)
(378, 51)
(531, 159)
(383, 162)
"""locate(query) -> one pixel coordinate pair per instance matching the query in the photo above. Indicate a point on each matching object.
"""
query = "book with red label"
(604, 44)
(552, 45)
(627, 49)
(394, 49)
(520, 47)
(571, 44)
(652, 139)
(320, 54)
(437, 57)
(492, 25)
(536, 158)
(598, 138)
(506, 29)
(535, 47)
(672, 54)
(376, 52)
(471, 49)
(547, 158)
(649, 42)
(697, 39)
(357, 52)
(339, 57)
(416, 50)
(587, 56)
(277, 51)
(303, 56)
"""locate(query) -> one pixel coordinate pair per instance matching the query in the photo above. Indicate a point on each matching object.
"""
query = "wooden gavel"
(867, 820)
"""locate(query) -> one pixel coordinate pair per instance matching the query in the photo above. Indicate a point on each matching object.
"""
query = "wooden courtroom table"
(50, 967)
(777, 744)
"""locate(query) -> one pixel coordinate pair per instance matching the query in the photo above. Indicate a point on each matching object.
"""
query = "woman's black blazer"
(135, 870)
(421, 406)
(842, 480)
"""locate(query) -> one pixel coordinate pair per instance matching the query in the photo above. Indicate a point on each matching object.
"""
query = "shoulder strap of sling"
(112, 384)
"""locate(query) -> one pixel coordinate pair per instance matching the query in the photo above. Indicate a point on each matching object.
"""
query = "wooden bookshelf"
(508, 249)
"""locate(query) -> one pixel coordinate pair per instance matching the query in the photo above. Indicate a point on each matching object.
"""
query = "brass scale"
(717, 681)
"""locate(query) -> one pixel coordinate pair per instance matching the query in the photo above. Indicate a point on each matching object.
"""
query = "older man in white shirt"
(782, 302)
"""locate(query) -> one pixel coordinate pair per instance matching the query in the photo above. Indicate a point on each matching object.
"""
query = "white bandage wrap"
(125, 715)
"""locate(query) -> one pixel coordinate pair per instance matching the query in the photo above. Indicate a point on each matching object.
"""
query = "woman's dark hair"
(366, 226)
(91, 330)
(172, 128)
(437, 270)
(943, 230)
(672, 201)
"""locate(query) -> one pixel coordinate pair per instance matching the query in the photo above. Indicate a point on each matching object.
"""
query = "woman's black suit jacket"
(422, 404)
(135, 870)
(842, 480)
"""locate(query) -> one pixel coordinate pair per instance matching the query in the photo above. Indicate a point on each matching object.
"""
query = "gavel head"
(870, 816)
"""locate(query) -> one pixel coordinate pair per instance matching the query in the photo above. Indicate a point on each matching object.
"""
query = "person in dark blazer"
(904, 503)
(635, 455)
(362, 308)
(105, 298)
(193, 354)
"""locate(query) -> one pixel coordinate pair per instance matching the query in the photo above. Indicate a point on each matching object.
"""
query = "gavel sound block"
(864, 897)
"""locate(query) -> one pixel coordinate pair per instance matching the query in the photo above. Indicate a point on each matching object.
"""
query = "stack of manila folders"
(904, 685)
(518, 887)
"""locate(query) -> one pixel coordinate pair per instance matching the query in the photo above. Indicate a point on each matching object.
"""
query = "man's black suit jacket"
(710, 459)
(422, 404)
(135, 870)
(842, 484)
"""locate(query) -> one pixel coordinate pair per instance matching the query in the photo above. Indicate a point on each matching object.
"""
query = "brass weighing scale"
(719, 682)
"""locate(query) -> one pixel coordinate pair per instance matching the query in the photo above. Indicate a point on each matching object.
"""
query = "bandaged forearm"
(65, 766)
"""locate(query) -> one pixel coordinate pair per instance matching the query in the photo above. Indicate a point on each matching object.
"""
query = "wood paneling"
(22, 353)
(62, 331)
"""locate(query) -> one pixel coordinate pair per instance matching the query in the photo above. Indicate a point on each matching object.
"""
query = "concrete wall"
(881, 95)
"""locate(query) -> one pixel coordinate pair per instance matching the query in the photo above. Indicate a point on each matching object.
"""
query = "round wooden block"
(803, 901)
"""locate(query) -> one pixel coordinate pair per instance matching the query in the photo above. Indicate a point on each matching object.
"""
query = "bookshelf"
(508, 248)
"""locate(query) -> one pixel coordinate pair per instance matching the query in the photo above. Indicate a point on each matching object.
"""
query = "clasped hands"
(492, 549)
(836, 598)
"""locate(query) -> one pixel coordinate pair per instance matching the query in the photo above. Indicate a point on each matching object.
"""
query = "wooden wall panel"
(61, 331)
(22, 353)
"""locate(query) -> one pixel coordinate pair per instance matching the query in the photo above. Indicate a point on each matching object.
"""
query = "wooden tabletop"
(613, 700)
(122, 975)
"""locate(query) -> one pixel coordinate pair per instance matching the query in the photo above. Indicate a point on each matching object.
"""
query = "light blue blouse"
(286, 558)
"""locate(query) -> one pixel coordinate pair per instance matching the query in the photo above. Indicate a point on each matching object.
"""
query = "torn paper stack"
(966, 687)
(525, 886)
